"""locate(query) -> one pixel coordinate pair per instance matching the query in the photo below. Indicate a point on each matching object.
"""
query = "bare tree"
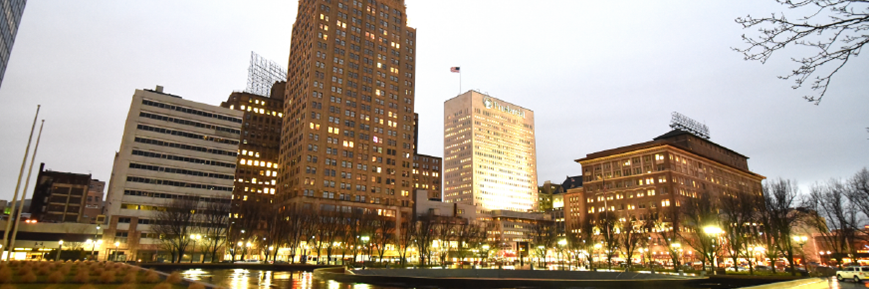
(174, 225)
(698, 214)
(384, 233)
(423, 237)
(445, 232)
(543, 238)
(779, 201)
(833, 29)
(587, 237)
(215, 222)
(468, 235)
(405, 239)
(606, 225)
(738, 213)
(834, 217)
(300, 228)
(668, 224)
(858, 191)
(631, 231)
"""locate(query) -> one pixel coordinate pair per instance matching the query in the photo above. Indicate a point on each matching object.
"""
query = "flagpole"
(460, 79)
(24, 193)
(18, 184)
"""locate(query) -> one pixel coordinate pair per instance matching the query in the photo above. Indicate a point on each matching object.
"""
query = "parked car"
(762, 268)
(247, 262)
(854, 273)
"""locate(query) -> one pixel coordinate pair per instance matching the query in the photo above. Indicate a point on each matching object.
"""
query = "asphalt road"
(834, 284)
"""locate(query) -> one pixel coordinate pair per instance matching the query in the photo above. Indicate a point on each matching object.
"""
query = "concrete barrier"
(493, 278)
(807, 283)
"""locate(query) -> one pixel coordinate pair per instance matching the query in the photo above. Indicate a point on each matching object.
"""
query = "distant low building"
(59, 196)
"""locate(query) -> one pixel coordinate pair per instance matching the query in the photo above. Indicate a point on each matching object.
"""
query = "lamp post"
(802, 241)
(485, 253)
(561, 243)
(542, 255)
(596, 249)
(59, 248)
(713, 232)
(368, 253)
(194, 237)
(117, 244)
(96, 232)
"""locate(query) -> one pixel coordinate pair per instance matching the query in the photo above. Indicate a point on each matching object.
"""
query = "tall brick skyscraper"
(347, 138)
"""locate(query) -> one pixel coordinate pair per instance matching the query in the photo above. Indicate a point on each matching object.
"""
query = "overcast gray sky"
(598, 75)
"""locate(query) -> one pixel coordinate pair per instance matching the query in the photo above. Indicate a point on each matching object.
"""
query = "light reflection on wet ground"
(256, 279)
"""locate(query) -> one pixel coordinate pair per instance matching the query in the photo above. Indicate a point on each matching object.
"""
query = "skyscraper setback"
(347, 136)
(490, 158)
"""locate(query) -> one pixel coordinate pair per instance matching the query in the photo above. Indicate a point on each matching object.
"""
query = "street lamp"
(542, 255)
(365, 241)
(116, 250)
(194, 237)
(802, 241)
(596, 250)
(561, 243)
(713, 231)
(485, 252)
(59, 248)
(676, 247)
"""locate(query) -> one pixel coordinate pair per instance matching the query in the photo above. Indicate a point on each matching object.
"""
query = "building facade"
(427, 175)
(347, 137)
(642, 178)
(171, 149)
(93, 208)
(59, 196)
(259, 143)
(489, 153)
(10, 18)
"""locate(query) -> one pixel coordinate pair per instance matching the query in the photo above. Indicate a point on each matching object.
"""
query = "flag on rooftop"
(455, 69)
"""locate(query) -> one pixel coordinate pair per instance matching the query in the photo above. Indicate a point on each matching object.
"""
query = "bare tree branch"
(836, 31)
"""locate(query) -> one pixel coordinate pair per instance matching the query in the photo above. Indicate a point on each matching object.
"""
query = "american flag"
(455, 69)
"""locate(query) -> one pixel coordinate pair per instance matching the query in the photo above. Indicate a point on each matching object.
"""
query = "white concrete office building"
(172, 148)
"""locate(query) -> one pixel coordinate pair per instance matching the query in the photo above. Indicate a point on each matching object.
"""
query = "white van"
(854, 273)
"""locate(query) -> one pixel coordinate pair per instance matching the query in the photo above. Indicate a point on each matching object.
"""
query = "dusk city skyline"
(347, 143)
(593, 82)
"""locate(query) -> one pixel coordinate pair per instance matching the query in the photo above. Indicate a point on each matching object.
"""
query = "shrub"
(7, 286)
(65, 269)
(130, 277)
(87, 286)
(82, 276)
(152, 277)
(107, 277)
(98, 270)
(196, 286)
(126, 286)
(163, 286)
(5, 275)
(24, 270)
(28, 278)
(44, 270)
(174, 278)
(55, 277)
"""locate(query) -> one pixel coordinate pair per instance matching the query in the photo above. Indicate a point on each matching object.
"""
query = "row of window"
(187, 134)
(178, 184)
(190, 123)
(172, 196)
(181, 171)
(190, 110)
(182, 159)
(185, 147)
